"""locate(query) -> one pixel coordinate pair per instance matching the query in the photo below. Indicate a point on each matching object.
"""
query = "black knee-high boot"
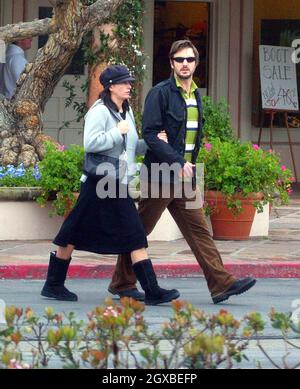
(56, 276)
(153, 293)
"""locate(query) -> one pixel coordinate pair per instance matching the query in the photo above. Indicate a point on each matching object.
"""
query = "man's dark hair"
(183, 44)
(105, 96)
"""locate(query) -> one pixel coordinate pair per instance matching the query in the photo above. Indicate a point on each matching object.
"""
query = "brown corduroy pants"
(193, 226)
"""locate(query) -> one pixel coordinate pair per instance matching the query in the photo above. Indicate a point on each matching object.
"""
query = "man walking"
(174, 105)
(14, 66)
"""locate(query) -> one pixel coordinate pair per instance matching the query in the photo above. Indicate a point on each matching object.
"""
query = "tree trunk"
(96, 69)
(21, 138)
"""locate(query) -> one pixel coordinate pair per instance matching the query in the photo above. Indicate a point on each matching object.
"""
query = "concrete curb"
(258, 269)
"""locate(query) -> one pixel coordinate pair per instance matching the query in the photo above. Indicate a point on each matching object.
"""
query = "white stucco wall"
(26, 220)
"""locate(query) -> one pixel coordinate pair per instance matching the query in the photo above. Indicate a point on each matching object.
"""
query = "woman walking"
(109, 225)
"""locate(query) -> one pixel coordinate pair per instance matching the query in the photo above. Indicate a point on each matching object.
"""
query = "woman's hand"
(163, 136)
(123, 127)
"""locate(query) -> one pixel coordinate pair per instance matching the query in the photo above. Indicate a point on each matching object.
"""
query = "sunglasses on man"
(182, 59)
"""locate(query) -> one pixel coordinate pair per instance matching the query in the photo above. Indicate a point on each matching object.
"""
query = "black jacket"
(165, 109)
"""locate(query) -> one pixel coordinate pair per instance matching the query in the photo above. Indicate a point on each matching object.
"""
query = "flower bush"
(60, 171)
(242, 168)
(11, 176)
(118, 336)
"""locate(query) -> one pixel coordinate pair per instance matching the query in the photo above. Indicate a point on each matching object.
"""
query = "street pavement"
(277, 256)
(267, 293)
(275, 261)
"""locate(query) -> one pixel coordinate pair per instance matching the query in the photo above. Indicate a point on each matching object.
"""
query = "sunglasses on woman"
(182, 59)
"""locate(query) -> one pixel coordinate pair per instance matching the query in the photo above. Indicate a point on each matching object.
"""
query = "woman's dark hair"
(105, 96)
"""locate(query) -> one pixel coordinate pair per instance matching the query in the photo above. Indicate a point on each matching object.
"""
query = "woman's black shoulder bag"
(98, 165)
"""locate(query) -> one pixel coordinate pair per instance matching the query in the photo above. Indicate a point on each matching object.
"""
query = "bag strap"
(114, 115)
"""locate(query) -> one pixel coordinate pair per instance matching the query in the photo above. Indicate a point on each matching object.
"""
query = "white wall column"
(231, 58)
(234, 62)
(18, 10)
(6, 12)
(246, 78)
(219, 49)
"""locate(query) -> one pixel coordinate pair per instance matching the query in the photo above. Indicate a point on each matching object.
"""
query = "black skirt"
(104, 226)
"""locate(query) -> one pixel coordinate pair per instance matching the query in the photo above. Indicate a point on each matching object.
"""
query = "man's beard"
(181, 77)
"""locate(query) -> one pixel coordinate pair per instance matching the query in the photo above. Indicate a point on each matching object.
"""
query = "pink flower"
(61, 148)
(292, 179)
(256, 147)
(14, 364)
(110, 312)
(279, 182)
(283, 167)
(208, 146)
(290, 191)
(270, 151)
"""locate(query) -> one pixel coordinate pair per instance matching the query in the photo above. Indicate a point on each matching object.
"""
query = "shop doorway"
(174, 20)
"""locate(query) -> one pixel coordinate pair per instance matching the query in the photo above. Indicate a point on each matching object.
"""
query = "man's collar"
(194, 86)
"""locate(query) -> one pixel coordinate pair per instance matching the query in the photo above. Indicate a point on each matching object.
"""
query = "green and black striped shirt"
(192, 119)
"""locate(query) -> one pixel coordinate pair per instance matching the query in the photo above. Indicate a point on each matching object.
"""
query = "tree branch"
(13, 32)
(99, 12)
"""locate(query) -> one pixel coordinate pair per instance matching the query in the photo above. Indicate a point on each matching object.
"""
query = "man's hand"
(187, 170)
(163, 136)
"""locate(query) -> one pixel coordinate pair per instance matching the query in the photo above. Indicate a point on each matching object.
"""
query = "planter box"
(21, 218)
(26, 220)
(167, 230)
(261, 223)
(19, 193)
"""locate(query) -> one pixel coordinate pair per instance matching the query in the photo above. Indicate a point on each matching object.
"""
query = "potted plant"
(238, 179)
(60, 172)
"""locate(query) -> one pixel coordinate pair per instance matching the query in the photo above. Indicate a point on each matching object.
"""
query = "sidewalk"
(275, 257)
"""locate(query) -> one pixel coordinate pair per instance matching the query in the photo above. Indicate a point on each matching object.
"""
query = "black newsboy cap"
(115, 74)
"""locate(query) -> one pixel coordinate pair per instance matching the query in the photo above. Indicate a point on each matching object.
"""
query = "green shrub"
(117, 336)
(60, 171)
(217, 121)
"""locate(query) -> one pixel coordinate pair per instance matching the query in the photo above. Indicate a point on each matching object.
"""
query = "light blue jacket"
(11, 70)
(101, 134)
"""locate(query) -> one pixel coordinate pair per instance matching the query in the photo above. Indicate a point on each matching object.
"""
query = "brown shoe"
(133, 293)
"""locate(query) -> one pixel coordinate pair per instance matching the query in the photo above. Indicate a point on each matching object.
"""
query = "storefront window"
(276, 23)
(176, 20)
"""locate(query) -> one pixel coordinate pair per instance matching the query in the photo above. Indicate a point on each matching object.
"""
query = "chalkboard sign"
(278, 78)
